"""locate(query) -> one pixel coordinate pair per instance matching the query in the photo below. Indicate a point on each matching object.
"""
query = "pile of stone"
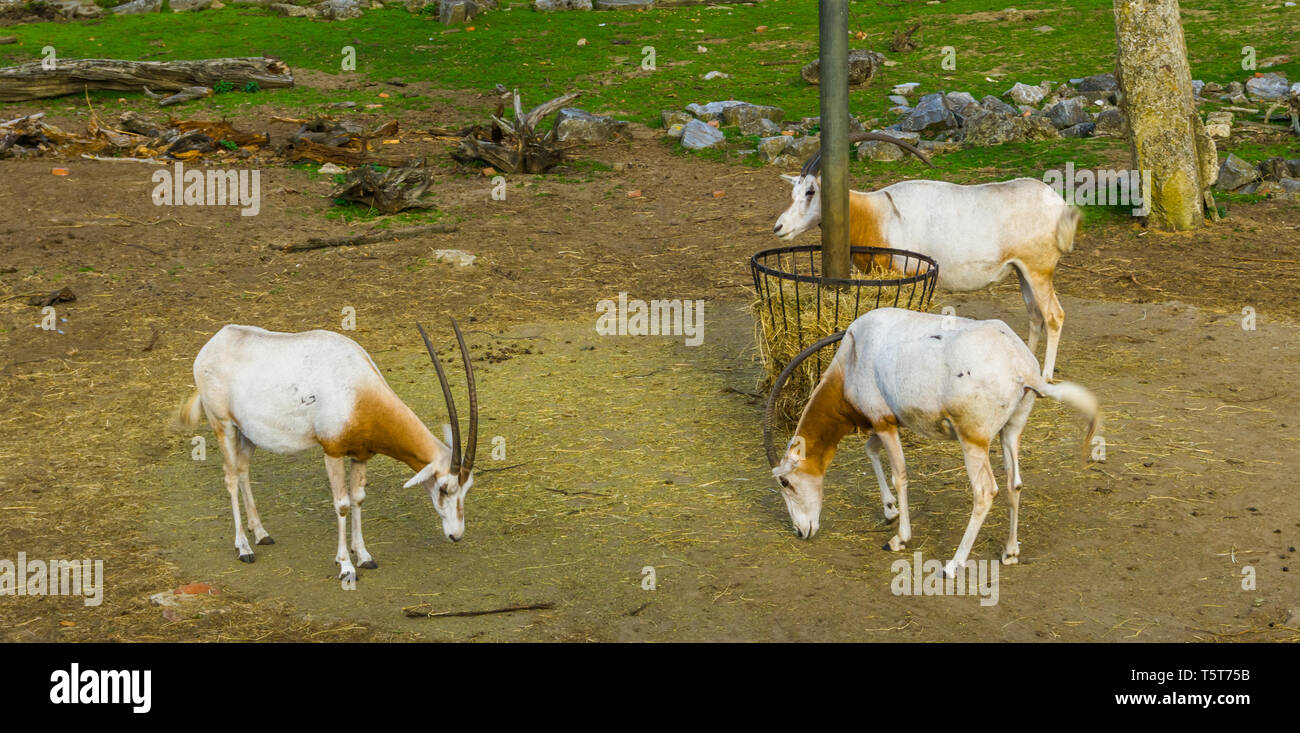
(1083, 107)
(1275, 177)
(700, 126)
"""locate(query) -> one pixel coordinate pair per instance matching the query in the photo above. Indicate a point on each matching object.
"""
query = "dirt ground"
(623, 453)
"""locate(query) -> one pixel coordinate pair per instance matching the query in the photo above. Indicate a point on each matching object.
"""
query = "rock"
(1212, 87)
(1291, 189)
(1273, 169)
(342, 105)
(77, 9)
(905, 89)
(1082, 129)
(349, 9)
(715, 75)
(675, 130)
(1025, 94)
(957, 101)
(1197, 87)
(985, 127)
(898, 100)
(1111, 123)
(744, 112)
(1268, 87)
(993, 104)
(453, 12)
(762, 127)
(930, 114)
(292, 11)
(1064, 91)
(802, 148)
(1218, 124)
(1036, 127)
(457, 257)
(938, 147)
(548, 6)
(1235, 173)
(880, 151)
(624, 4)
(697, 135)
(329, 169)
(1099, 83)
(1067, 113)
(136, 7)
(670, 117)
(1109, 98)
(418, 6)
(1293, 166)
(862, 67)
(575, 124)
(713, 110)
(771, 148)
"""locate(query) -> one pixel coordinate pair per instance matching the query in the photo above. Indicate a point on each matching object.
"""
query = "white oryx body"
(977, 235)
(944, 377)
(287, 392)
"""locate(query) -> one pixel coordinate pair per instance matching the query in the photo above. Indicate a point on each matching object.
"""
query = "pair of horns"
(460, 465)
(772, 457)
(814, 164)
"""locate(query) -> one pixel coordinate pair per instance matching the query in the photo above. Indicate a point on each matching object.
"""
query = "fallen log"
(369, 237)
(419, 612)
(32, 81)
(321, 153)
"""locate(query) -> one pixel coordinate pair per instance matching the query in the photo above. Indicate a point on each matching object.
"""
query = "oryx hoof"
(1008, 559)
(348, 575)
(370, 564)
(267, 540)
(894, 544)
(249, 558)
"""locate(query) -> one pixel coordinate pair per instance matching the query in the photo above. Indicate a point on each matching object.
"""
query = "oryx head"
(805, 210)
(800, 481)
(450, 476)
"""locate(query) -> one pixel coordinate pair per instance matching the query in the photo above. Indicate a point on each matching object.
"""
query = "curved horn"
(446, 396)
(772, 458)
(468, 464)
(814, 164)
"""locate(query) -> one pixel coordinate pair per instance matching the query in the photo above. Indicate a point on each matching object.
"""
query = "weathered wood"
(308, 150)
(32, 81)
(1156, 96)
(369, 237)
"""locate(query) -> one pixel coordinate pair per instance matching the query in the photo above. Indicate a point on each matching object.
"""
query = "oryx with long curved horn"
(285, 392)
(977, 234)
(943, 377)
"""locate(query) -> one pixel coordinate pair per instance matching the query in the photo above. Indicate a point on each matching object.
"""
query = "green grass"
(539, 54)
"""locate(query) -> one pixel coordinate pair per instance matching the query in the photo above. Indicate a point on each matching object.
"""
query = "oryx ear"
(425, 474)
(789, 179)
(446, 433)
(786, 466)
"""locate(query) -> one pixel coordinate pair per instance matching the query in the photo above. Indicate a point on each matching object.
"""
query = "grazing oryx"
(944, 377)
(975, 233)
(285, 392)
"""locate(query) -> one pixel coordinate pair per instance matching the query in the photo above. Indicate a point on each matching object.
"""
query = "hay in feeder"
(791, 316)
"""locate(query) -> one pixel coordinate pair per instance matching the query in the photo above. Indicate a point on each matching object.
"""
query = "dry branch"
(368, 237)
(32, 81)
(415, 612)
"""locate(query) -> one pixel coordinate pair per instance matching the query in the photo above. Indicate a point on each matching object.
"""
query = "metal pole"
(833, 32)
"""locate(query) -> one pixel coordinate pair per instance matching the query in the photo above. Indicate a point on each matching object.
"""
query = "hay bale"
(791, 316)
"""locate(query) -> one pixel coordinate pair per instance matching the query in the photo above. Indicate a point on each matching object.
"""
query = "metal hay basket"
(797, 305)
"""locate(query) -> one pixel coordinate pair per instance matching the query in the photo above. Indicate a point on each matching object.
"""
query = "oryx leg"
(342, 506)
(980, 471)
(894, 449)
(1036, 325)
(358, 495)
(260, 535)
(1010, 439)
(1053, 316)
(886, 496)
(228, 438)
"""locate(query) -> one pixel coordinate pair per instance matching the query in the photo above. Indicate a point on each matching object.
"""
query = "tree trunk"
(1155, 84)
(32, 81)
